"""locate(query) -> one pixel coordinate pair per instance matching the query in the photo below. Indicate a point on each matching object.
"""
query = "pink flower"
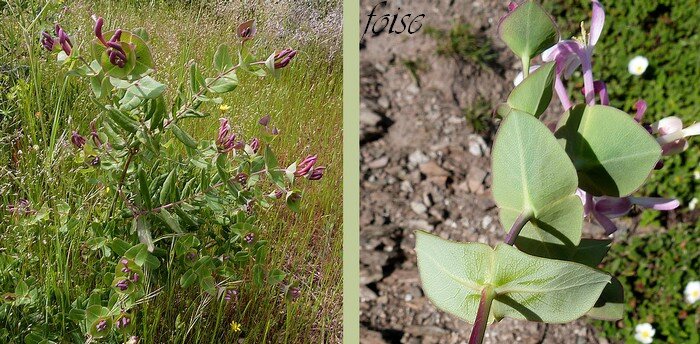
(225, 140)
(316, 173)
(672, 134)
(305, 166)
(605, 208)
(570, 54)
(283, 57)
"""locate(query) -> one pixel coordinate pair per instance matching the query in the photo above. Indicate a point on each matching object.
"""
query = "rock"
(368, 117)
(371, 337)
(367, 294)
(416, 158)
(383, 102)
(486, 221)
(475, 180)
(418, 207)
(432, 169)
(477, 146)
(378, 163)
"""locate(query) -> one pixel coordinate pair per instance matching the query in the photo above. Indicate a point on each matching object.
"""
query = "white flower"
(638, 65)
(644, 333)
(693, 203)
(692, 292)
(696, 175)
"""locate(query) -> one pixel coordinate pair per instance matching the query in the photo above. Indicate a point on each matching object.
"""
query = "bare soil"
(423, 167)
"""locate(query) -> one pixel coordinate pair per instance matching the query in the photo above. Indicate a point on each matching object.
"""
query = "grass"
(40, 106)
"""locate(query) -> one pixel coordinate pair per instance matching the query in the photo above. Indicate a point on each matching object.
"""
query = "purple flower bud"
(64, 40)
(246, 31)
(95, 161)
(659, 165)
(98, 30)
(242, 178)
(283, 57)
(225, 140)
(231, 295)
(191, 256)
(116, 36)
(275, 131)
(316, 173)
(123, 321)
(512, 6)
(305, 165)
(279, 194)
(239, 145)
(21, 208)
(47, 41)
(93, 133)
(249, 207)
(123, 285)
(126, 270)
(641, 107)
(255, 144)
(294, 293)
(264, 121)
(135, 278)
(124, 261)
(101, 325)
(249, 238)
(77, 140)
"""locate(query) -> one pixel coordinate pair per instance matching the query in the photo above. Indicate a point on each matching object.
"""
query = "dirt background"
(423, 167)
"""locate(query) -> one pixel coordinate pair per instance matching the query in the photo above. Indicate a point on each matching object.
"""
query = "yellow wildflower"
(224, 108)
(235, 327)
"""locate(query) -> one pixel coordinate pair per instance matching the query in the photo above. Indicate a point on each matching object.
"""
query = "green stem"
(526, 66)
(517, 226)
(482, 315)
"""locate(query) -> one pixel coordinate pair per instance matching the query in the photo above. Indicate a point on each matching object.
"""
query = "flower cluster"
(306, 169)
(64, 42)
(115, 51)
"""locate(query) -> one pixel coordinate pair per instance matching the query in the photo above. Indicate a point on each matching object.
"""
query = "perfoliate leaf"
(612, 153)
(535, 92)
(224, 83)
(147, 88)
(137, 64)
(526, 287)
(532, 175)
(222, 58)
(528, 30)
(611, 303)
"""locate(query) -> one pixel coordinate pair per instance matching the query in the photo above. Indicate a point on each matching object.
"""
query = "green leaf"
(272, 168)
(612, 153)
(144, 191)
(258, 275)
(143, 230)
(526, 287)
(532, 175)
(119, 246)
(76, 315)
(196, 78)
(21, 289)
(224, 83)
(222, 59)
(188, 278)
(276, 276)
(208, 284)
(142, 60)
(183, 136)
(169, 220)
(534, 94)
(168, 186)
(147, 88)
(122, 119)
(611, 303)
(528, 30)
(293, 200)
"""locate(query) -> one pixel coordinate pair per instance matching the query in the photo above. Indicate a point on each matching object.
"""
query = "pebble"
(378, 163)
(418, 207)
(477, 146)
(416, 158)
(432, 169)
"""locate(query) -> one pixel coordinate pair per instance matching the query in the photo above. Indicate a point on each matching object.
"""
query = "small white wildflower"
(638, 65)
(696, 175)
(644, 333)
(692, 292)
(693, 203)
